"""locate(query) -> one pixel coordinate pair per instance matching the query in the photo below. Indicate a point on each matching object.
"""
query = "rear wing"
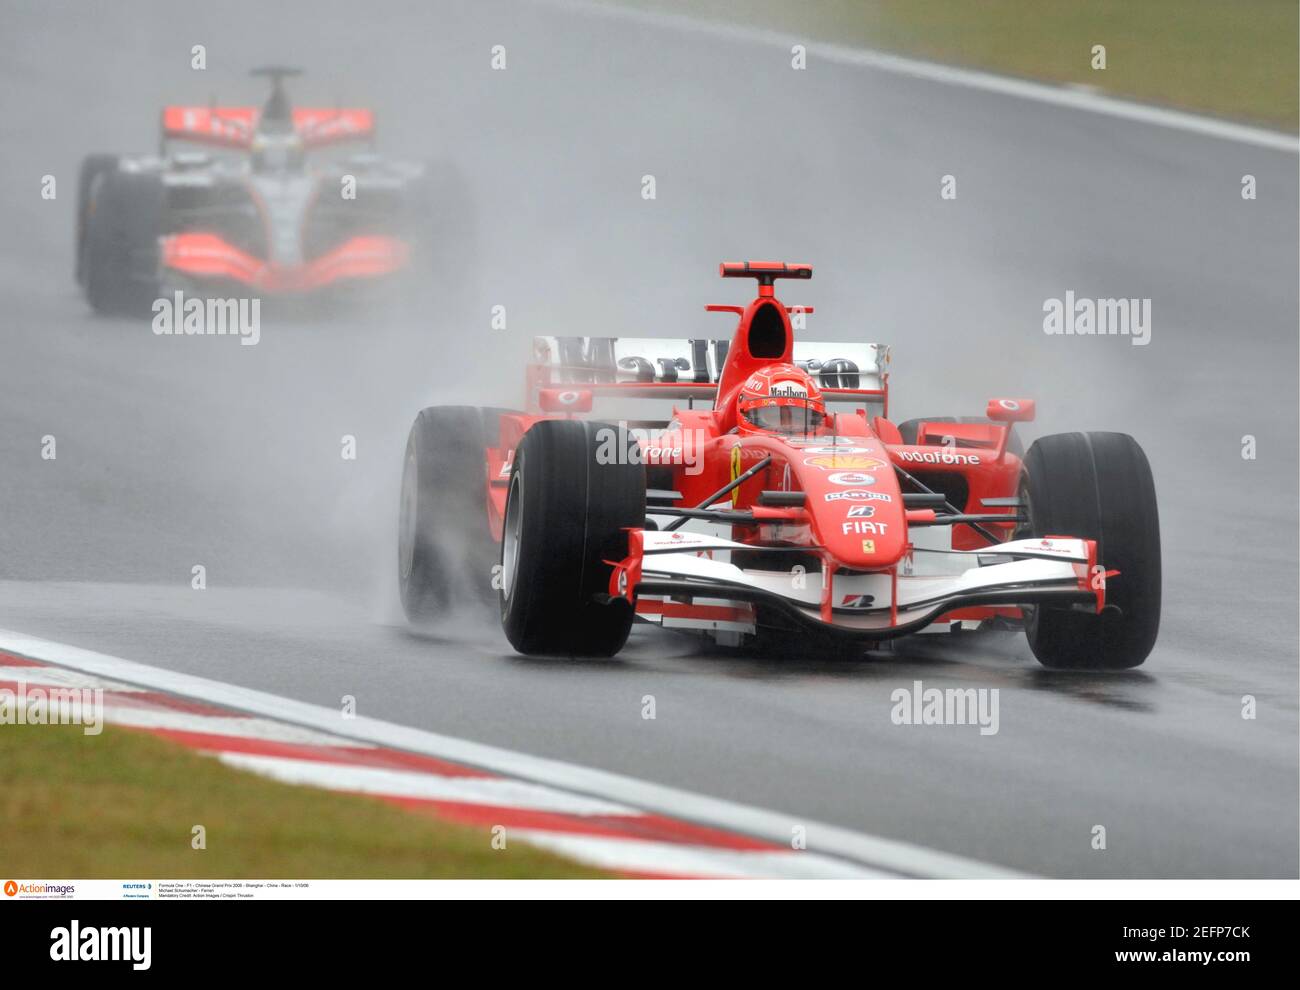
(644, 367)
(233, 127)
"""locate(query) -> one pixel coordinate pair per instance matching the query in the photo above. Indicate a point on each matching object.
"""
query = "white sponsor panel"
(858, 495)
(685, 361)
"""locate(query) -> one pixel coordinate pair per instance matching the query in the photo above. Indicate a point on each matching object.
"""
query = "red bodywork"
(851, 459)
(208, 256)
(234, 127)
(203, 255)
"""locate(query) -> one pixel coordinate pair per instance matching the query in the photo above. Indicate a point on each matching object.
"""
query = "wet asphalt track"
(176, 451)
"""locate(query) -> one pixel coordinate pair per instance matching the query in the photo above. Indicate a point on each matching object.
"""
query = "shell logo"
(844, 462)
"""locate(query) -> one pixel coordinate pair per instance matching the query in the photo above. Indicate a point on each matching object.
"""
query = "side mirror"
(1010, 410)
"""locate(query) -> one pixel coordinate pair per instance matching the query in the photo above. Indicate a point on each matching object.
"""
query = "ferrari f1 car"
(259, 209)
(808, 526)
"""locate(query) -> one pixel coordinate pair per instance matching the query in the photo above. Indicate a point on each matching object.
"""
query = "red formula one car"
(248, 201)
(809, 527)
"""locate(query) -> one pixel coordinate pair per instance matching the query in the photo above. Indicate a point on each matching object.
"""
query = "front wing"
(667, 570)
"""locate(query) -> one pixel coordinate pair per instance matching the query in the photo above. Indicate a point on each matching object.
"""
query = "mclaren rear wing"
(651, 367)
(233, 127)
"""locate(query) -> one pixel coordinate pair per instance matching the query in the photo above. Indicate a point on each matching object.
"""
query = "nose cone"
(854, 500)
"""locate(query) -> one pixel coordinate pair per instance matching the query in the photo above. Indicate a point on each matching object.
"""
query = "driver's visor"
(785, 418)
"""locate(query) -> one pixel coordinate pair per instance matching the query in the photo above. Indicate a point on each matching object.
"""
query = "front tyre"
(1097, 486)
(93, 170)
(575, 489)
(120, 259)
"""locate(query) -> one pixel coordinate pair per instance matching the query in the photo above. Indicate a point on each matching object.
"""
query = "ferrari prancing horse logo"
(735, 473)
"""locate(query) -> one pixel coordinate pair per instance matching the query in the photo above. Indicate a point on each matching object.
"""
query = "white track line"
(242, 728)
(677, 859)
(1061, 96)
(44, 677)
(826, 840)
(499, 792)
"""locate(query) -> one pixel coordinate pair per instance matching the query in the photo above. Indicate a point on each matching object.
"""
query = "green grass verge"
(123, 804)
(1232, 58)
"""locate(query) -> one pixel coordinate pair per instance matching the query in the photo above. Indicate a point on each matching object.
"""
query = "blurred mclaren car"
(267, 202)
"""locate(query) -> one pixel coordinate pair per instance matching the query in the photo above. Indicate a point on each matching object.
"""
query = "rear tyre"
(445, 549)
(567, 512)
(121, 250)
(93, 170)
(1097, 486)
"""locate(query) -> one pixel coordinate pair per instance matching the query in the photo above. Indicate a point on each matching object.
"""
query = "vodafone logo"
(1010, 405)
(938, 457)
(11, 889)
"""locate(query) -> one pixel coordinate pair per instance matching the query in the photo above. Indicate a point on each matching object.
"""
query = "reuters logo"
(11, 888)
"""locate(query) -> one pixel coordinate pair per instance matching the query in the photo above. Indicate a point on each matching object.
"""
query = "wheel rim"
(409, 514)
(512, 531)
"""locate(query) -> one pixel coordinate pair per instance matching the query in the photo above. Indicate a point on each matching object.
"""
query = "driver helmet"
(782, 399)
